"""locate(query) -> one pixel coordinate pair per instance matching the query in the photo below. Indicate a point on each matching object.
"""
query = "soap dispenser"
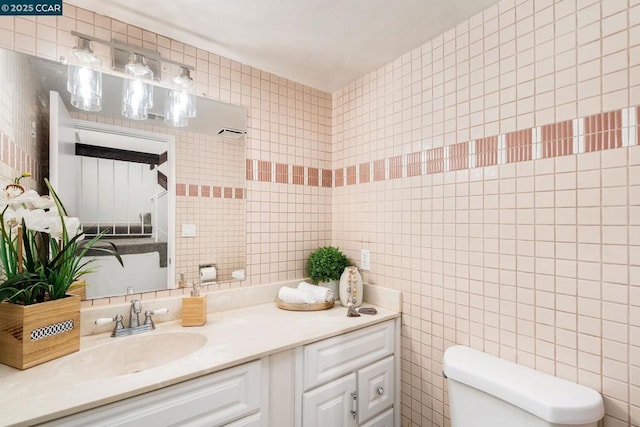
(194, 308)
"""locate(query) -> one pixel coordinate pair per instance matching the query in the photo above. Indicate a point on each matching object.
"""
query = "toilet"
(486, 391)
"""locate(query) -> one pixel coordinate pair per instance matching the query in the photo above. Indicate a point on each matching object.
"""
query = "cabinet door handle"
(354, 405)
(380, 390)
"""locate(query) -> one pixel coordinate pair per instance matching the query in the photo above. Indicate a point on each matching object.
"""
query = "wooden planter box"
(34, 334)
(79, 287)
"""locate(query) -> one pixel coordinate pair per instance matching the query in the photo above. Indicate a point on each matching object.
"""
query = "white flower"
(13, 216)
(14, 194)
(43, 202)
(14, 190)
(72, 225)
(38, 220)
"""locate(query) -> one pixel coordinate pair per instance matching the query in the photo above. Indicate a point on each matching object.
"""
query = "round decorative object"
(351, 287)
(304, 307)
(380, 391)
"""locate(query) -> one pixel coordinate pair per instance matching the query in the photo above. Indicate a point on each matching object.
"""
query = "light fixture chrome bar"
(147, 53)
(120, 58)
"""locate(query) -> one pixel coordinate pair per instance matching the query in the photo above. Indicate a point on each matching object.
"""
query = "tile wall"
(478, 168)
(288, 124)
(493, 174)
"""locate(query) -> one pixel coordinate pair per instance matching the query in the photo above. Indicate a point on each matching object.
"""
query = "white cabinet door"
(376, 390)
(331, 404)
(334, 357)
(383, 420)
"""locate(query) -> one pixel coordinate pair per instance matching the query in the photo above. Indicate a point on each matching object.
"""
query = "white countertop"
(53, 390)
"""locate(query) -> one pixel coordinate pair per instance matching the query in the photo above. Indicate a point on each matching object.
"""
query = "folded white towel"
(320, 293)
(295, 296)
(237, 274)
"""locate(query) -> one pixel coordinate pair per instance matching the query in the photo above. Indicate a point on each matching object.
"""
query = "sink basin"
(128, 355)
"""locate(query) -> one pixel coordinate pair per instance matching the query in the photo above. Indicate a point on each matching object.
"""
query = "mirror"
(172, 199)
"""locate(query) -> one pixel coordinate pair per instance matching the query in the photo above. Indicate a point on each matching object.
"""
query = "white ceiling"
(324, 44)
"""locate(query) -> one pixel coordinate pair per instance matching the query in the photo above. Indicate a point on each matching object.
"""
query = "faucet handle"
(105, 320)
(147, 315)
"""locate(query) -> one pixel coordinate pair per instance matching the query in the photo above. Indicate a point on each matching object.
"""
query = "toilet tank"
(486, 391)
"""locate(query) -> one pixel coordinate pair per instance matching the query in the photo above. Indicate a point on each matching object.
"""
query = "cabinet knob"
(380, 391)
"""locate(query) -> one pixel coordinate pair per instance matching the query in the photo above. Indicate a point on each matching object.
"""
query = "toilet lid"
(551, 398)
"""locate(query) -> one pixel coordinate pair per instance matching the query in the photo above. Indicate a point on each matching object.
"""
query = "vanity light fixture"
(181, 102)
(141, 67)
(84, 78)
(137, 90)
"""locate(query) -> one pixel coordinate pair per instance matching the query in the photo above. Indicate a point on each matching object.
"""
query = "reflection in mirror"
(117, 181)
(137, 181)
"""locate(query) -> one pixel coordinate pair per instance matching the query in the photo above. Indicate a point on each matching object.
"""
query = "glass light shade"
(84, 78)
(137, 90)
(185, 83)
(179, 107)
(181, 102)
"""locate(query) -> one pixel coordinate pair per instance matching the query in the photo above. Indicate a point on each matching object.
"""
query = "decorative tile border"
(282, 173)
(604, 131)
(555, 140)
(209, 191)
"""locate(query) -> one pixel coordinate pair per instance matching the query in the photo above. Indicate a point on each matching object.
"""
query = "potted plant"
(41, 254)
(325, 265)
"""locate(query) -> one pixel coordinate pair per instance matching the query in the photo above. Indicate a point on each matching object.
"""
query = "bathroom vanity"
(250, 366)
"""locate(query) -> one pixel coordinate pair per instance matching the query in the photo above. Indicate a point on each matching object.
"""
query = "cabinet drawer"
(212, 400)
(383, 420)
(375, 388)
(331, 358)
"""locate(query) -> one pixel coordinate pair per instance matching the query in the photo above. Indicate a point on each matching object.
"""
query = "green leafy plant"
(326, 263)
(41, 248)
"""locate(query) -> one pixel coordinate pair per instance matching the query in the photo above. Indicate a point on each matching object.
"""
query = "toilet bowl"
(486, 391)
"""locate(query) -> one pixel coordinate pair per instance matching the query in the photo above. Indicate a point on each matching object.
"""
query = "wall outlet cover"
(188, 230)
(365, 259)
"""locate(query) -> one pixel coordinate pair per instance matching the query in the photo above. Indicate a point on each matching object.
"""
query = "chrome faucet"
(134, 320)
(136, 309)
